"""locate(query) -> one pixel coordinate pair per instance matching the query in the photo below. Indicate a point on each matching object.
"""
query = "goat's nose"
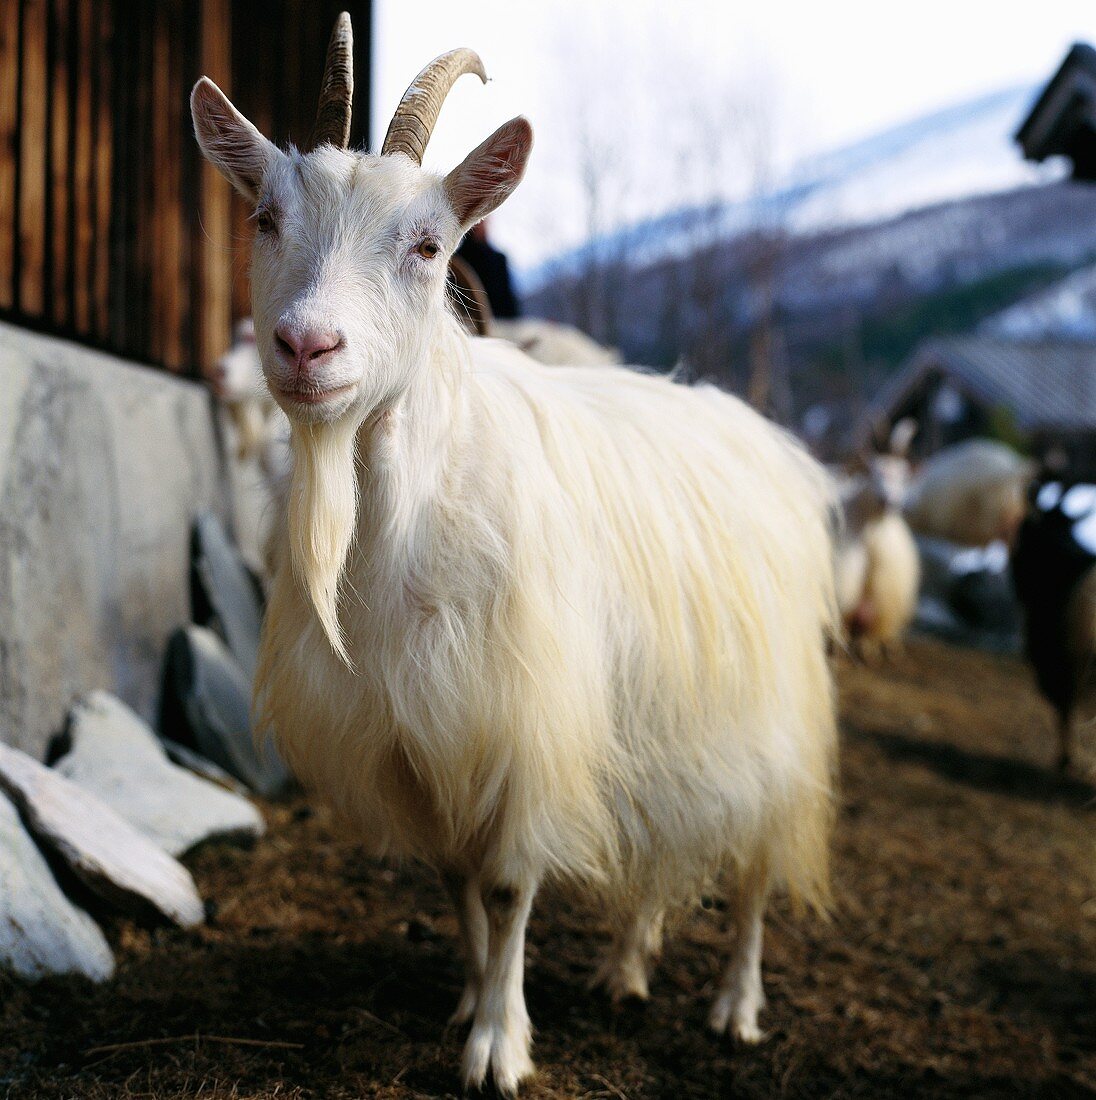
(305, 346)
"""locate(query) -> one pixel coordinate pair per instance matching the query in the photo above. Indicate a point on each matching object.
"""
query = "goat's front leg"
(500, 1036)
(472, 918)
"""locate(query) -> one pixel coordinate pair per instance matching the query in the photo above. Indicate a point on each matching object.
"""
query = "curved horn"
(468, 297)
(337, 90)
(413, 122)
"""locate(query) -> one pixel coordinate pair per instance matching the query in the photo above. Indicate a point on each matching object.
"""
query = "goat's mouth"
(311, 395)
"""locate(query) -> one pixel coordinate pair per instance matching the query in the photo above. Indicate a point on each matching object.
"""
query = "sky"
(639, 106)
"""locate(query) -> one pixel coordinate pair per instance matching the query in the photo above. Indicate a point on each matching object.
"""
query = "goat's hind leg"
(741, 996)
(472, 919)
(623, 972)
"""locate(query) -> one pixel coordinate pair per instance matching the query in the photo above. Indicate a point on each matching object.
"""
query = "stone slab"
(118, 758)
(195, 762)
(207, 703)
(101, 848)
(228, 590)
(41, 931)
(103, 467)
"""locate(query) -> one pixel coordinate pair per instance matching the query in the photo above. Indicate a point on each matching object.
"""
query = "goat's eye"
(265, 221)
(427, 249)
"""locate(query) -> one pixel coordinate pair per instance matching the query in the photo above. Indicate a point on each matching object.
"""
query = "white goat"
(546, 341)
(972, 493)
(529, 624)
(553, 342)
(877, 563)
(262, 431)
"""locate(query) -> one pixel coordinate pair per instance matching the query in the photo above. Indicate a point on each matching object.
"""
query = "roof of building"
(1062, 121)
(1045, 384)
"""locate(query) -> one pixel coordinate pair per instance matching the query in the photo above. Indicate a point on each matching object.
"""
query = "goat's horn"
(467, 293)
(413, 122)
(337, 90)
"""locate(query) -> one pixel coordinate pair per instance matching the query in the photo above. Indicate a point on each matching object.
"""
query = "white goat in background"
(529, 624)
(877, 562)
(262, 432)
(972, 493)
(546, 341)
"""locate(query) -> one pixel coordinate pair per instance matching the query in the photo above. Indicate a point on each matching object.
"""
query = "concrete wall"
(103, 466)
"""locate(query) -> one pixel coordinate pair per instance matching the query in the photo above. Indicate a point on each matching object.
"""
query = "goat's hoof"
(737, 1017)
(505, 1054)
(748, 1033)
(620, 981)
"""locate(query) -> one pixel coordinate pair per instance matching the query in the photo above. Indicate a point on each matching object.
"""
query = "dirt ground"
(961, 961)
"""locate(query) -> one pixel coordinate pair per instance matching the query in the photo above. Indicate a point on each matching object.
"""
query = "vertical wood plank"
(139, 228)
(362, 14)
(122, 51)
(257, 49)
(297, 27)
(161, 204)
(33, 122)
(103, 173)
(83, 231)
(184, 170)
(214, 298)
(59, 209)
(171, 109)
(9, 146)
(189, 168)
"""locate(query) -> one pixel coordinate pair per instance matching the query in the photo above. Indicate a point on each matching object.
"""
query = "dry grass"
(961, 962)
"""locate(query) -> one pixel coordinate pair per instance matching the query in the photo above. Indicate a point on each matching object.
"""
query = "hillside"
(853, 300)
(951, 154)
(930, 228)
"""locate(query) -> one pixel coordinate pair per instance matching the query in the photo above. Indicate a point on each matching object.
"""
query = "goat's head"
(237, 375)
(349, 258)
(348, 277)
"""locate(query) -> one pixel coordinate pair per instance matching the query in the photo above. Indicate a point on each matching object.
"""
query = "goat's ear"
(902, 436)
(229, 142)
(490, 172)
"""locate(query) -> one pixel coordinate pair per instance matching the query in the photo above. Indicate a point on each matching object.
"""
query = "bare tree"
(696, 145)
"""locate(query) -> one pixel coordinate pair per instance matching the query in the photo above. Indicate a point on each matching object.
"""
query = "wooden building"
(113, 231)
(1037, 395)
(1062, 122)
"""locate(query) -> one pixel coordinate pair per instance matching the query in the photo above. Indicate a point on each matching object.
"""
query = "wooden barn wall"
(112, 229)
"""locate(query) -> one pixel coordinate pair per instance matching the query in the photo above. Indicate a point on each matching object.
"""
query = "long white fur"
(534, 623)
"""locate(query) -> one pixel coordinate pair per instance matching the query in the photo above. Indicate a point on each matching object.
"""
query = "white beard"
(322, 513)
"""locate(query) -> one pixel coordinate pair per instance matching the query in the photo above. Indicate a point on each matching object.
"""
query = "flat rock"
(207, 704)
(195, 762)
(41, 931)
(118, 758)
(228, 591)
(104, 850)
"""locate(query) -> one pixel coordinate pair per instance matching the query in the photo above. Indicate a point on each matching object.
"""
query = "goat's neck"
(405, 449)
